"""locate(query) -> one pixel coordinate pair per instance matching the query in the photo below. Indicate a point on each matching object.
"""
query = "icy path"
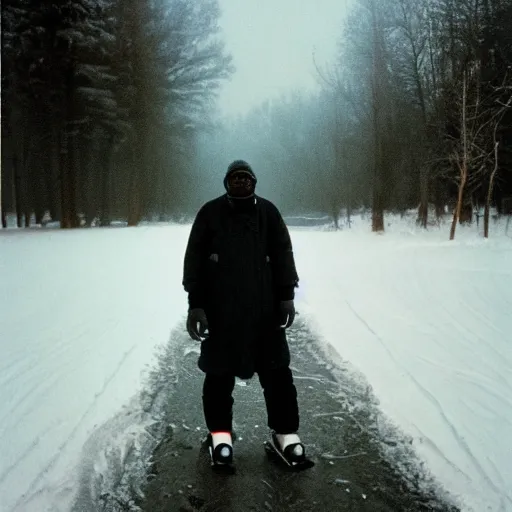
(81, 314)
(429, 323)
(359, 460)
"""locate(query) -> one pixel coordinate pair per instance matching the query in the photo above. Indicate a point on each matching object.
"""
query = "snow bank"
(429, 323)
(82, 313)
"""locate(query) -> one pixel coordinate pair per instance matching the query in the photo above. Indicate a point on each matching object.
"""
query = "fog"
(132, 111)
(287, 143)
(274, 44)
(346, 105)
(276, 48)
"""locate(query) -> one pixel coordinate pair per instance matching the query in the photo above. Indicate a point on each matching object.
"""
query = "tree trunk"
(439, 210)
(106, 187)
(38, 188)
(69, 218)
(17, 192)
(134, 212)
(28, 176)
(422, 219)
(136, 183)
(486, 215)
(378, 105)
(335, 216)
(65, 220)
(53, 177)
(377, 200)
(462, 162)
(424, 175)
(39, 213)
(489, 192)
(3, 208)
(73, 163)
(2, 213)
(460, 197)
(26, 173)
(377, 216)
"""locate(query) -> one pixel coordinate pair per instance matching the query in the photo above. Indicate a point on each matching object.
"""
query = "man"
(239, 272)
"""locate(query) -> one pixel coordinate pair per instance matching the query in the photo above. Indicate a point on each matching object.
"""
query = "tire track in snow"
(460, 441)
(484, 319)
(433, 446)
(63, 345)
(49, 375)
(472, 341)
(468, 339)
(5, 473)
(64, 444)
(38, 389)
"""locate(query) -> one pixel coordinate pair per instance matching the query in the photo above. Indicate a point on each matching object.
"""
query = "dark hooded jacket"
(238, 266)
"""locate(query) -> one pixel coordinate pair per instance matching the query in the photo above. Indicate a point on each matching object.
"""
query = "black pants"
(280, 398)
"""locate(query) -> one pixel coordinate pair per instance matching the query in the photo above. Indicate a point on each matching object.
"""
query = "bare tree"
(461, 158)
(495, 124)
(475, 148)
(339, 184)
(178, 62)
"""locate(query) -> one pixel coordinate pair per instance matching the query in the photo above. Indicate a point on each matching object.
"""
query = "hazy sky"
(272, 43)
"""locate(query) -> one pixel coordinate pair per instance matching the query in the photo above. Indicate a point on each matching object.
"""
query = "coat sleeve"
(281, 256)
(195, 260)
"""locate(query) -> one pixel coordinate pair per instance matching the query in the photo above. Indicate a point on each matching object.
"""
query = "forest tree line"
(415, 113)
(101, 100)
(106, 112)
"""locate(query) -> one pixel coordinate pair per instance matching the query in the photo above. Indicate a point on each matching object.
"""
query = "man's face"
(240, 184)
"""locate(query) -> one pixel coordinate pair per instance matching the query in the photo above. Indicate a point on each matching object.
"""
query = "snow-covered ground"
(428, 322)
(81, 313)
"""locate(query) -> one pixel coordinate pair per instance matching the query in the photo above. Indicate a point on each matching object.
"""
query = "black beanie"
(239, 165)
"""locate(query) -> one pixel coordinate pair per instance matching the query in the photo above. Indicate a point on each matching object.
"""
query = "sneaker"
(221, 447)
(290, 445)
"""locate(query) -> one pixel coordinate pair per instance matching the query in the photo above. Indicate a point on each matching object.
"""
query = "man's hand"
(197, 324)
(287, 308)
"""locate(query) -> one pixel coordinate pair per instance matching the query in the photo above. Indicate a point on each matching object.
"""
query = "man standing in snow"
(239, 272)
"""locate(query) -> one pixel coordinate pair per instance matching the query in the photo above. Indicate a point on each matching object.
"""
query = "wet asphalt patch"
(362, 463)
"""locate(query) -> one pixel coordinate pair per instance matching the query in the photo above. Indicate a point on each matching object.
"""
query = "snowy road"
(358, 459)
(81, 315)
(429, 323)
(426, 322)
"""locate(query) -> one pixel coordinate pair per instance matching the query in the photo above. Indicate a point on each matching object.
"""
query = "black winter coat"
(238, 266)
